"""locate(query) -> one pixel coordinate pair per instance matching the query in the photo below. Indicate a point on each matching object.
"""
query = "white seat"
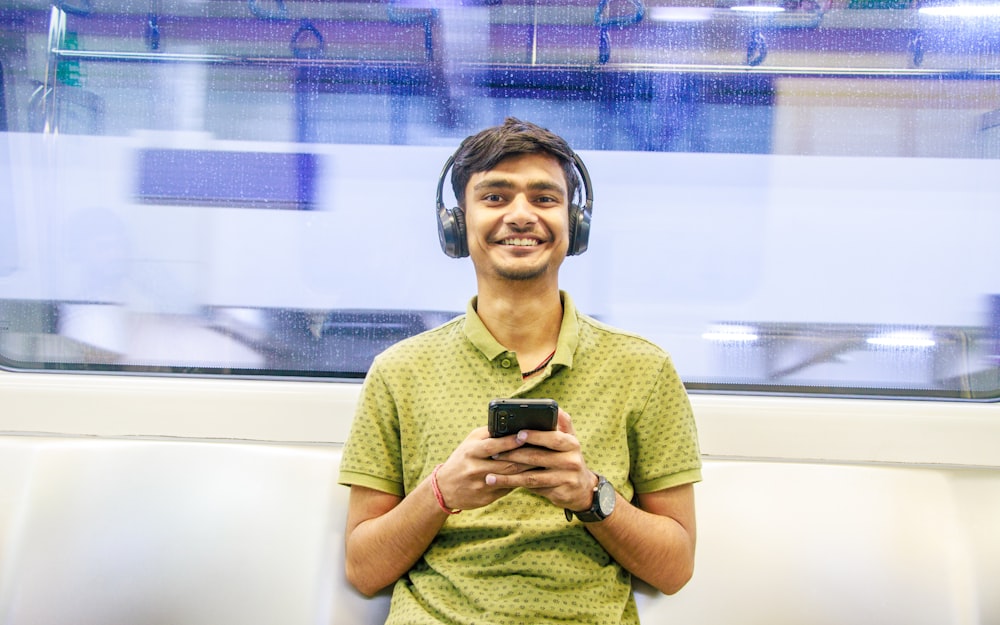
(180, 533)
(129, 532)
(16, 457)
(787, 544)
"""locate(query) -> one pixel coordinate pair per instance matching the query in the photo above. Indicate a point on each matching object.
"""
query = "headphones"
(451, 221)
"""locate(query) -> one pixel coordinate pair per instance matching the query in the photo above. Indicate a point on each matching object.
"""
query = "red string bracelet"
(437, 491)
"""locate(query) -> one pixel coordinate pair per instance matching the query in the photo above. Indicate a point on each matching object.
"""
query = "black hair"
(483, 150)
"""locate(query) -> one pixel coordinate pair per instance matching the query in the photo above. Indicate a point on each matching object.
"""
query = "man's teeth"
(520, 242)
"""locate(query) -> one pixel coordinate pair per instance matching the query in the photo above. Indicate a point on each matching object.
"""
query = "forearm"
(655, 548)
(383, 548)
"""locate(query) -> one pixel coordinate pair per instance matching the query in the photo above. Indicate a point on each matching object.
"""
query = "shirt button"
(505, 363)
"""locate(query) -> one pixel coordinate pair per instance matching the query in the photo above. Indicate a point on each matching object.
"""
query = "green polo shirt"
(517, 560)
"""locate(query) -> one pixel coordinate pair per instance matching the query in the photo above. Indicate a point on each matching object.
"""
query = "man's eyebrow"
(493, 183)
(504, 183)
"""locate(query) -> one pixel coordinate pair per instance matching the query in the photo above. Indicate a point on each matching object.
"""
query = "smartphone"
(509, 416)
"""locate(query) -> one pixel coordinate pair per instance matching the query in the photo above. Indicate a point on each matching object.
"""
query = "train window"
(791, 196)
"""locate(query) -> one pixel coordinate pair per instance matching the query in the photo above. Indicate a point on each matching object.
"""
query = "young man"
(541, 526)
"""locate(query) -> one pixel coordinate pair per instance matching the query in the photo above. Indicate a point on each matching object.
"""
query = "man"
(470, 528)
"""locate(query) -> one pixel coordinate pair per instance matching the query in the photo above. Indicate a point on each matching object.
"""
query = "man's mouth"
(520, 242)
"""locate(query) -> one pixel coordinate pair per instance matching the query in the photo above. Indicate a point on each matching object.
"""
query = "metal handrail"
(474, 67)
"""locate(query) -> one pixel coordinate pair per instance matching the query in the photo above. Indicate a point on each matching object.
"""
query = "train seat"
(16, 455)
(791, 543)
(144, 532)
(189, 533)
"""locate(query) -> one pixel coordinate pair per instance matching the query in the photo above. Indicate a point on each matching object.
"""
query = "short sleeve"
(372, 455)
(663, 439)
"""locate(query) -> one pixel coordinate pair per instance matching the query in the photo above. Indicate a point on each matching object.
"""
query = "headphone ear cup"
(574, 218)
(461, 241)
(451, 232)
(579, 230)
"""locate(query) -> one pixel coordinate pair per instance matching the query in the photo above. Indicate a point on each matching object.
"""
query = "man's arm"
(387, 534)
(654, 541)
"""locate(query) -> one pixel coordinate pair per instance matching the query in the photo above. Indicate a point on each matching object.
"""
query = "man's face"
(517, 218)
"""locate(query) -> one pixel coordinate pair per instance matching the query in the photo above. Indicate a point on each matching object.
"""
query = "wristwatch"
(601, 507)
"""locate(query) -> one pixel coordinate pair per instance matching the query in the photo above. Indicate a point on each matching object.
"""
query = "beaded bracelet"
(437, 491)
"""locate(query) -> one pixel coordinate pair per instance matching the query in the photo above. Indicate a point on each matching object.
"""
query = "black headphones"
(451, 221)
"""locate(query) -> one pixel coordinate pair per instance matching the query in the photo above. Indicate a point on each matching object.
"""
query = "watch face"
(606, 498)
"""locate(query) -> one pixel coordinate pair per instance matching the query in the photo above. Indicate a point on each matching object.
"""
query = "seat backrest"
(785, 544)
(183, 533)
(16, 458)
(131, 532)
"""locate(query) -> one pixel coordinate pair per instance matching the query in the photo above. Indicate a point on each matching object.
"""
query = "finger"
(527, 457)
(507, 466)
(532, 480)
(493, 447)
(480, 433)
(554, 441)
(529, 438)
(565, 423)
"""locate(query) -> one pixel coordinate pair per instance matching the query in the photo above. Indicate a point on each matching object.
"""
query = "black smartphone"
(509, 416)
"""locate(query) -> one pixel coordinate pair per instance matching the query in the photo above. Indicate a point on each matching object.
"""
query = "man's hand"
(560, 474)
(463, 478)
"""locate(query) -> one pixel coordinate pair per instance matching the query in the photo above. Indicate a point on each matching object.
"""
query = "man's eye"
(493, 197)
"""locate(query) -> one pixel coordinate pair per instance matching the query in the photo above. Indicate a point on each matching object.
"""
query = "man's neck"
(524, 320)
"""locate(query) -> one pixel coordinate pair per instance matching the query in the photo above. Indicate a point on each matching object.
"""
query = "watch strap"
(594, 513)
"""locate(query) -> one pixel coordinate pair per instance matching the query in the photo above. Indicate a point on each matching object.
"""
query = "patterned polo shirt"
(517, 560)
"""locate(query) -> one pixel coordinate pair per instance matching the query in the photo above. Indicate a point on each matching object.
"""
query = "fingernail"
(491, 479)
(522, 436)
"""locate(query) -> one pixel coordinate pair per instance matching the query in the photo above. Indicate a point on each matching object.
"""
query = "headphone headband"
(451, 221)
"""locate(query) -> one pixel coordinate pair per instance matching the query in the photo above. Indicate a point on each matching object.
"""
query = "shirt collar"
(569, 333)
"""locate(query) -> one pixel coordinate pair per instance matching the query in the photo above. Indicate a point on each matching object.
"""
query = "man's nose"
(521, 211)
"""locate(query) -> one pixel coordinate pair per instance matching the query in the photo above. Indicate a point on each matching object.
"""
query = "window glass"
(789, 195)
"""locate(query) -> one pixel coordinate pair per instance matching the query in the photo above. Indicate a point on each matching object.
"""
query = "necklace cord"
(541, 366)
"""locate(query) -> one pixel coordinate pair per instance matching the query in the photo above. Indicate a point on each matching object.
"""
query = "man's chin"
(516, 272)
(519, 268)
(520, 276)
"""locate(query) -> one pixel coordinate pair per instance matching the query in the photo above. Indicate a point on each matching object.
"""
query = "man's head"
(514, 139)
(482, 151)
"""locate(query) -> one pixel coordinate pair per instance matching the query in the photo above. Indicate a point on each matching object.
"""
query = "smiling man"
(541, 526)
(520, 211)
